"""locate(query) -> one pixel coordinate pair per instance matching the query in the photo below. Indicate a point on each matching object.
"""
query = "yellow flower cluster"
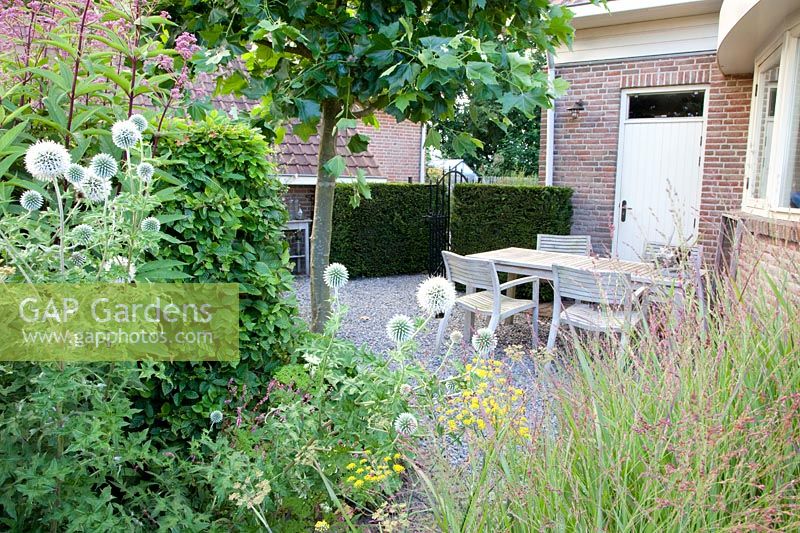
(321, 525)
(365, 472)
(487, 399)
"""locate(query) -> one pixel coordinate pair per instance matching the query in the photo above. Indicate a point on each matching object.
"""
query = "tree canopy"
(322, 66)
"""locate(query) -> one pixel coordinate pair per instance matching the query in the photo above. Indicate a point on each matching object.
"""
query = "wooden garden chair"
(606, 302)
(565, 244)
(482, 274)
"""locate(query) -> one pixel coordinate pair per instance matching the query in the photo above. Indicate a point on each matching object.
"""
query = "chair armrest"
(519, 281)
(640, 293)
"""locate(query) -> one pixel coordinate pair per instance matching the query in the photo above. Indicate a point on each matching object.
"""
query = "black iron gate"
(438, 217)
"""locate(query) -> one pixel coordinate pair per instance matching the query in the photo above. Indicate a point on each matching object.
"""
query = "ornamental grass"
(693, 427)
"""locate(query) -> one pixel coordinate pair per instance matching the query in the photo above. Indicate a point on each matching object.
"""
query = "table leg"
(511, 292)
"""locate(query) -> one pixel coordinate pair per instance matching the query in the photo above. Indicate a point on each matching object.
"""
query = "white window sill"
(312, 180)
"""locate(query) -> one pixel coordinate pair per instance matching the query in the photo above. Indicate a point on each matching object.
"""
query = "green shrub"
(385, 235)
(229, 215)
(487, 217)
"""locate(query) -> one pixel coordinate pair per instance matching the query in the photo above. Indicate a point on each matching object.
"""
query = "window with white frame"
(773, 159)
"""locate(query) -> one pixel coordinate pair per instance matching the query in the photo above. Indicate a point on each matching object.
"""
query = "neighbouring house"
(395, 154)
(681, 124)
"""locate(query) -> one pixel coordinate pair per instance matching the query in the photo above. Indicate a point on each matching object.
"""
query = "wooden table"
(524, 262)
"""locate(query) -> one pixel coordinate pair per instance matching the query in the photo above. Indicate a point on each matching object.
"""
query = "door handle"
(623, 210)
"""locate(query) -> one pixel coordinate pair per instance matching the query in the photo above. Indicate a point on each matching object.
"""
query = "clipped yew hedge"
(487, 217)
(385, 235)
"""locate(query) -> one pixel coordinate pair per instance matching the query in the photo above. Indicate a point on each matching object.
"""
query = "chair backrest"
(593, 286)
(565, 244)
(477, 273)
(654, 251)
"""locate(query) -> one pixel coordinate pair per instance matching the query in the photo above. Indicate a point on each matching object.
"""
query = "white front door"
(659, 169)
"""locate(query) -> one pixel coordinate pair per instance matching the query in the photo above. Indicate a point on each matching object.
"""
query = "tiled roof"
(297, 157)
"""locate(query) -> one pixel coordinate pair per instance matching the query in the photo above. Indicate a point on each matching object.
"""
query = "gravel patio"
(373, 301)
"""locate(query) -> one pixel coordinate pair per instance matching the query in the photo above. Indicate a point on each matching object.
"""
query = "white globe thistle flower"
(120, 265)
(31, 200)
(150, 225)
(400, 328)
(215, 416)
(125, 134)
(484, 341)
(335, 276)
(436, 295)
(406, 424)
(456, 337)
(75, 174)
(145, 172)
(104, 166)
(96, 188)
(405, 389)
(47, 160)
(83, 234)
(78, 259)
(139, 121)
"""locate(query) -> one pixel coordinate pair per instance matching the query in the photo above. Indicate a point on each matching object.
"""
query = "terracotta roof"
(295, 156)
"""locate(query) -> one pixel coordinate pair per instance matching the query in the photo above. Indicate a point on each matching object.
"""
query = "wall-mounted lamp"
(576, 108)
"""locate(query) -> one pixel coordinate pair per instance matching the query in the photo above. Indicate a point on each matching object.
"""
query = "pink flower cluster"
(186, 45)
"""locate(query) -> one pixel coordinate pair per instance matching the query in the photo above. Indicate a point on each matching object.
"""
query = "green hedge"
(228, 218)
(383, 236)
(487, 217)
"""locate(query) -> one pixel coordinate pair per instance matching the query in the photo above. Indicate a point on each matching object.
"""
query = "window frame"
(779, 174)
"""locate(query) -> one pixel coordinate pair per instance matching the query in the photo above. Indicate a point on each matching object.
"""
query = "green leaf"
(526, 102)
(464, 143)
(304, 130)
(9, 136)
(358, 143)
(560, 86)
(335, 166)
(433, 138)
(403, 100)
(481, 71)
(346, 123)
(446, 61)
(308, 111)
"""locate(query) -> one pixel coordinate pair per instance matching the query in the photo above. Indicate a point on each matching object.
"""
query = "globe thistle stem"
(61, 236)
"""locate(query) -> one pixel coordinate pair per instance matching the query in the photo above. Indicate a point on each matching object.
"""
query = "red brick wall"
(396, 147)
(585, 149)
(767, 251)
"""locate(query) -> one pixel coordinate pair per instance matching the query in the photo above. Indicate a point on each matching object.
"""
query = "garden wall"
(385, 235)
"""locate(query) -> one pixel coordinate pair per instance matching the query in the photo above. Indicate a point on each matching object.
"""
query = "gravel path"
(373, 301)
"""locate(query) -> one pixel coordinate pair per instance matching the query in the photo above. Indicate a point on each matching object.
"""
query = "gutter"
(422, 154)
(551, 123)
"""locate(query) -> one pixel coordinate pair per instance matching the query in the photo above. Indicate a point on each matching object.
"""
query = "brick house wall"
(585, 148)
(759, 252)
(396, 147)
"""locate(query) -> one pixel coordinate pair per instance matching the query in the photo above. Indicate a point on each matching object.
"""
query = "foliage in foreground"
(687, 430)
(227, 216)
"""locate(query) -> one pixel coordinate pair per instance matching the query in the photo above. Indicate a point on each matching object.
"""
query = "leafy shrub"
(228, 224)
(321, 436)
(487, 217)
(385, 235)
